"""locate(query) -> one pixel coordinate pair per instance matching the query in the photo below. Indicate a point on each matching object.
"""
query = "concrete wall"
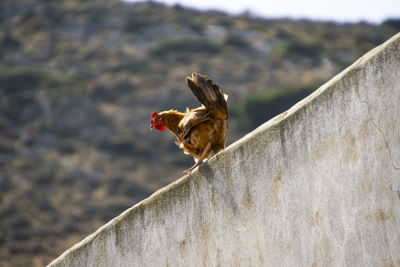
(318, 185)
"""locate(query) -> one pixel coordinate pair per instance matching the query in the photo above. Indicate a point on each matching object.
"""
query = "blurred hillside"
(79, 81)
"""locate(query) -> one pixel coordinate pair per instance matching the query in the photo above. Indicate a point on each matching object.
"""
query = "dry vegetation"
(79, 81)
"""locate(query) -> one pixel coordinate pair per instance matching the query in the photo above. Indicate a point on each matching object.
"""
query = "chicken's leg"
(205, 152)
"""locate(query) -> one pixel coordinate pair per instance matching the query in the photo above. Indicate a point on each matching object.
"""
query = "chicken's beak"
(152, 127)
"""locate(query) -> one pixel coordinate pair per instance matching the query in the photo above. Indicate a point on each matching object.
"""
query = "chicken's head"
(157, 122)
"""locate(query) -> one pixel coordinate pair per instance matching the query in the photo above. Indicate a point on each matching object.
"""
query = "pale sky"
(337, 10)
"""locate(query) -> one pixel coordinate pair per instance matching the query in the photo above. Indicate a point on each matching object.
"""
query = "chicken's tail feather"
(209, 94)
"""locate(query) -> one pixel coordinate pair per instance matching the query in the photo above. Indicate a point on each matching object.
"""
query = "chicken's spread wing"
(209, 94)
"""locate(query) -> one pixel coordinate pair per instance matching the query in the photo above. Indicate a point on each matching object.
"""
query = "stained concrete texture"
(318, 185)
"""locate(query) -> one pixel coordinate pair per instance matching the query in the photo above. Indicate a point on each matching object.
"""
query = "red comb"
(154, 114)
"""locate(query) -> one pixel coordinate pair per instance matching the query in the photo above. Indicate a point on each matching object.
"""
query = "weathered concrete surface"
(318, 185)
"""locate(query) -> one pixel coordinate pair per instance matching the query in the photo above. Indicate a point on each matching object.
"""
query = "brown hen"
(200, 131)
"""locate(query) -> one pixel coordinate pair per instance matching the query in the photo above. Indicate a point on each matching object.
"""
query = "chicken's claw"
(190, 169)
(198, 163)
(205, 152)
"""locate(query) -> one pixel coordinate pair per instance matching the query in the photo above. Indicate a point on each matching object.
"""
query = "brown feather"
(172, 119)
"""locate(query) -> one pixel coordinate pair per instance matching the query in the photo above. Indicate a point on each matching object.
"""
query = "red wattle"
(160, 128)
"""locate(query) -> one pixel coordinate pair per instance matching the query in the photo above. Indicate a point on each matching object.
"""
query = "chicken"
(200, 131)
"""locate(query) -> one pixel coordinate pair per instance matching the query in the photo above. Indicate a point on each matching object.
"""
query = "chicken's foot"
(205, 152)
